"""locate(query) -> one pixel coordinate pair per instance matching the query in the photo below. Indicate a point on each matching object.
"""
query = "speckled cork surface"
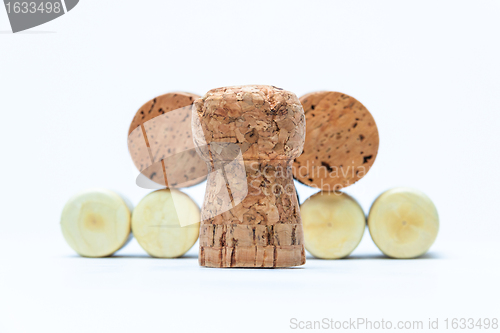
(160, 141)
(341, 141)
(250, 215)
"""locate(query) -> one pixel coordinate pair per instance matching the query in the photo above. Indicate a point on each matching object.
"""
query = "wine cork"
(160, 141)
(403, 223)
(157, 225)
(250, 215)
(341, 141)
(96, 223)
(334, 224)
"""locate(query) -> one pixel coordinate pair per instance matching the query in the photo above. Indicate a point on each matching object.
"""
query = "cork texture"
(341, 141)
(161, 144)
(250, 215)
(265, 122)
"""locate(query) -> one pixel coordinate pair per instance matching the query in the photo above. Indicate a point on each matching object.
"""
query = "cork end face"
(266, 122)
(334, 224)
(342, 141)
(96, 223)
(166, 223)
(403, 223)
(161, 144)
(161, 105)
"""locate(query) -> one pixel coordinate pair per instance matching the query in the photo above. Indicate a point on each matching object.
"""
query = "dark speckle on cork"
(341, 122)
(272, 137)
(158, 135)
(327, 166)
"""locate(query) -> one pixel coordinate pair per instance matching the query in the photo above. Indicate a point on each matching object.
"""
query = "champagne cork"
(160, 141)
(341, 141)
(249, 136)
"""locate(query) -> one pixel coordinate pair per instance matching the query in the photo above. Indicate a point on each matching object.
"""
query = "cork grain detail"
(161, 144)
(334, 224)
(403, 223)
(263, 227)
(341, 141)
(156, 223)
(266, 122)
(96, 223)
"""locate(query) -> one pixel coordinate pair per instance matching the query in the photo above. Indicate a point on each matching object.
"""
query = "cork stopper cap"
(265, 122)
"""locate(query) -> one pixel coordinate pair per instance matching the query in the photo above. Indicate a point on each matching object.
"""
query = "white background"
(428, 71)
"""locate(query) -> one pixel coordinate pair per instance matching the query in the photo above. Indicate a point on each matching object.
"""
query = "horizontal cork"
(334, 224)
(403, 223)
(160, 141)
(165, 223)
(96, 223)
(341, 141)
(250, 215)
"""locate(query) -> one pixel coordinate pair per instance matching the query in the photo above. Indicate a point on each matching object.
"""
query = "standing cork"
(249, 137)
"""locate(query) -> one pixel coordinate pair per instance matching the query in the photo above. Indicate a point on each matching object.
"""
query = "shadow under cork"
(128, 256)
(189, 256)
(427, 256)
(134, 256)
(254, 268)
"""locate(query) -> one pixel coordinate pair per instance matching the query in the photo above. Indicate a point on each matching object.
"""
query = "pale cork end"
(334, 224)
(403, 223)
(96, 223)
(166, 223)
